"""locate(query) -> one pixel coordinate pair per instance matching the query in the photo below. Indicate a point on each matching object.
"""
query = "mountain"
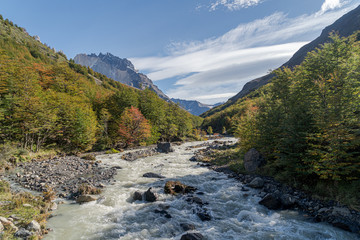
(119, 69)
(344, 26)
(194, 107)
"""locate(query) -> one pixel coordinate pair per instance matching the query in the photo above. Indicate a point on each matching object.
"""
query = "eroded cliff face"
(119, 69)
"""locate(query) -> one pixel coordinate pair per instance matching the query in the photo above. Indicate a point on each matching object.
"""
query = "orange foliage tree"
(134, 128)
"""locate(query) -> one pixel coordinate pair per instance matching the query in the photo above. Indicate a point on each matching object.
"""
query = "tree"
(210, 130)
(134, 128)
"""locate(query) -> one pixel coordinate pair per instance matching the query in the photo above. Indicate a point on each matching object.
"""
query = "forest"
(306, 122)
(49, 103)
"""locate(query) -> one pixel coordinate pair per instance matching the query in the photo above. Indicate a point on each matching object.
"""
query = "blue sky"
(192, 49)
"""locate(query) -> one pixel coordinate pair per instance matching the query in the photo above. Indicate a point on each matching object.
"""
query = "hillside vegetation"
(49, 103)
(306, 122)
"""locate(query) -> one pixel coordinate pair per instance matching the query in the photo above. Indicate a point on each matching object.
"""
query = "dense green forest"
(306, 122)
(49, 102)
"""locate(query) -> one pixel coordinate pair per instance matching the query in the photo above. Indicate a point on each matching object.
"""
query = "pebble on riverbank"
(63, 174)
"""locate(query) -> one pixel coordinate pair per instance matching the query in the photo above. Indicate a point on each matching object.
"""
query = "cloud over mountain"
(221, 66)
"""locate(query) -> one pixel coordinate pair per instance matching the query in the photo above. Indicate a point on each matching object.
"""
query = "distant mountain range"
(119, 69)
(344, 26)
(193, 107)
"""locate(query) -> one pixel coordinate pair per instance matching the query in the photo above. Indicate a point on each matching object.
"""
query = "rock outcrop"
(119, 69)
(164, 147)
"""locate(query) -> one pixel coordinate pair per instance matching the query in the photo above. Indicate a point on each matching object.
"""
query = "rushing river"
(235, 214)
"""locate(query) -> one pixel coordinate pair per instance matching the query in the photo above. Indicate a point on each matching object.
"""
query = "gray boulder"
(342, 212)
(137, 196)
(165, 147)
(23, 233)
(253, 160)
(192, 236)
(34, 226)
(287, 201)
(152, 175)
(150, 196)
(204, 216)
(257, 182)
(187, 226)
(85, 198)
(5, 221)
(271, 202)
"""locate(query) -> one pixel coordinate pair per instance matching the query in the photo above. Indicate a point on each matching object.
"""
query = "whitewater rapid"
(236, 214)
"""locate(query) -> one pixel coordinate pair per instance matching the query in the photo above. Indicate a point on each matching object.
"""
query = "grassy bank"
(21, 209)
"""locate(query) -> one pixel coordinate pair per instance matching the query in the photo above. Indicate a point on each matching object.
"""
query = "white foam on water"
(235, 214)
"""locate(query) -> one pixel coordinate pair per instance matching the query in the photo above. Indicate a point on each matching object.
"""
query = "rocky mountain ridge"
(119, 69)
(192, 106)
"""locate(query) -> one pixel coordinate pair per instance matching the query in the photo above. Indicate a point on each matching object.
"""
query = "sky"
(203, 50)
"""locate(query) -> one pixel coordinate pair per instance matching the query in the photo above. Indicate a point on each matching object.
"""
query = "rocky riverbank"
(277, 196)
(64, 175)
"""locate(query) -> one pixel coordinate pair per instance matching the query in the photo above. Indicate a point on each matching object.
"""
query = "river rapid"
(235, 213)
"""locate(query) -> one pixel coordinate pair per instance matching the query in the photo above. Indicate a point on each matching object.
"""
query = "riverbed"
(235, 213)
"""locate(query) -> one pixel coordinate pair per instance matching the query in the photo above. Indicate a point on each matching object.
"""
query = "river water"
(235, 214)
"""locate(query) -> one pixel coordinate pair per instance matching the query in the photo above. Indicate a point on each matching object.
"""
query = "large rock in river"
(150, 196)
(192, 236)
(271, 201)
(85, 198)
(176, 187)
(152, 175)
(165, 147)
(257, 182)
(253, 160)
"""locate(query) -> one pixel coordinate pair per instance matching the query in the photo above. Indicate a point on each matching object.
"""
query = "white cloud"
(330, 5)
(223, 65)
(234, 4)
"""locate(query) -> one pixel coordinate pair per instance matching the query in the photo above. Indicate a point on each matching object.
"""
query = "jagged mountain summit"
(344, 26)
(192, 106)
(119, 69)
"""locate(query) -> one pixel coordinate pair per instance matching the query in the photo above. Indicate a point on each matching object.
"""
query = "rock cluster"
(132, 156)
(63, 174)
(176, 187)
(32, 229)
(148, 196)
(275, 195)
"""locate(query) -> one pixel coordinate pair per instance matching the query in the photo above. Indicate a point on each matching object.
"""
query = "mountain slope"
(344, 26)
(194, 107)
(49, 102)
(119, 69)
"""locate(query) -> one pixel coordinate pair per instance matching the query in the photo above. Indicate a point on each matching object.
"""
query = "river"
(235, 214)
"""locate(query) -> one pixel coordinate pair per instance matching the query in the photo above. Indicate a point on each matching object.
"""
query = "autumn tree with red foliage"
(134, 128)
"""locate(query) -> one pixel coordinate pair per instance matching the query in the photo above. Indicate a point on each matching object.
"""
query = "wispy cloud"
(221, 66)
(330, 5)
(234, 4)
